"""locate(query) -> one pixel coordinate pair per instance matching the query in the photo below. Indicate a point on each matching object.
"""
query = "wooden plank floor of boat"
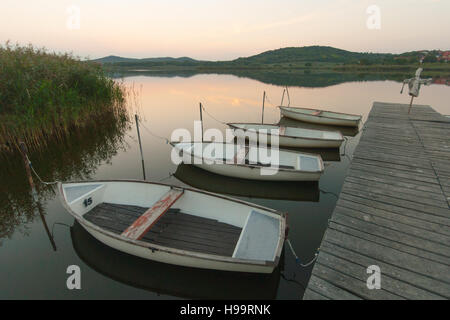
(175, 229)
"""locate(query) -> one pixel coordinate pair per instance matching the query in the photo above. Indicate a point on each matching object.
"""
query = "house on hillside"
(445, 56)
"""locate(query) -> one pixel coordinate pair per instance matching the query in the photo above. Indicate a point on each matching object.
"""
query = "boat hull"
(317, 119)
(256, 173)
(293, 142)
(172, 258)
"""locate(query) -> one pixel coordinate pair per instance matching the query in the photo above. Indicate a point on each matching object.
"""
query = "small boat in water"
(178, 226)
(288, 136)
(345, 131)
(321, 116)
(242, 161)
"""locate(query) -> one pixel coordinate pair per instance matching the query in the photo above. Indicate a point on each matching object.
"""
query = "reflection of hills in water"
(74, 156)
(285, 190)
(296, 78)
(170, 279)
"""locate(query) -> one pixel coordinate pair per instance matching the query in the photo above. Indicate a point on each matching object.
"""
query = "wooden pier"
(393, 211)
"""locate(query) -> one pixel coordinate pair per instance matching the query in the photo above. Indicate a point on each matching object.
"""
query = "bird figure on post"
(414, 86)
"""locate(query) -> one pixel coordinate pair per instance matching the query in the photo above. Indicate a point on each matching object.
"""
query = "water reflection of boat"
(287, 190)
(345, 131)
(169, 279)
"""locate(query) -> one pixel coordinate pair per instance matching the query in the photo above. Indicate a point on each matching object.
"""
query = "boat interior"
(175, 229)
(324, 113)
(177, 218)
(293, 132)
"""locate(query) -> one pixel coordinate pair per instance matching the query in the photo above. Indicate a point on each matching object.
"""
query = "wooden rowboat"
(178, 226)
(288, 136)
(345, 131)
(321, 116)
(245, 162)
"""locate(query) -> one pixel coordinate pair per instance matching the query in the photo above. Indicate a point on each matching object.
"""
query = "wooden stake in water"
(44, 222)
(140, 144)
(282, 97)
(264, 99)
(23, 152)
(201, 118)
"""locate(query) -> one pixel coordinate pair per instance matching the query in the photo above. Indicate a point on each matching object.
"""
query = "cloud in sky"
(223, 29)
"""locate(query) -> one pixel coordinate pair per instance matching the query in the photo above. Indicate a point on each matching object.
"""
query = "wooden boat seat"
(259, 238)
(282, 131)
(142, 224)
(280, 166)
(317, 113)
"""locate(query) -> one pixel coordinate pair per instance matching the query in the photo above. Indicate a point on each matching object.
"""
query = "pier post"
(264, 99)
(23, 152)
(140, 144)
(201, 118)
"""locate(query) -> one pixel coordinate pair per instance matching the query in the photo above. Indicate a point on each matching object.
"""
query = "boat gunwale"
(232, 125)
(319, 115)
(253, 166)
(186, 253)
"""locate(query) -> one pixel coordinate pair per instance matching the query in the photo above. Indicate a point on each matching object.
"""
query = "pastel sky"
(223, 29)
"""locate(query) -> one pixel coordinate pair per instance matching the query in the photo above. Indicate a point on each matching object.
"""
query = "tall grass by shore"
(45, 95)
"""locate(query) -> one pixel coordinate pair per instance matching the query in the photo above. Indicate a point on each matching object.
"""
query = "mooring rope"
(165, 178)
(292, 280)
(154, 134)
(34, 171)
(204, 109)
(268, 100)
(297, 259)
(329, 192)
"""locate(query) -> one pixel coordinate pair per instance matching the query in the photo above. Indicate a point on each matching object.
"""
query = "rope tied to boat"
(268, 100)
(297, 260)
(204, 109)
(154, 134)
(39, 178)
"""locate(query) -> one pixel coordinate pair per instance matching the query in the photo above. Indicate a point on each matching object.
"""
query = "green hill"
(311, 54)
(291, 59)
(282, 55)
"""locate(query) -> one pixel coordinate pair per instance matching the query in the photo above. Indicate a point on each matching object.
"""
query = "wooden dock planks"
(393, 211)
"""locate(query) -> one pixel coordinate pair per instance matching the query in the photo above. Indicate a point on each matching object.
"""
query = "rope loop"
(297, 260)
(34, 171)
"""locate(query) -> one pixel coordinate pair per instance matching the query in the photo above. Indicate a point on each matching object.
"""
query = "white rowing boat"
(246, 162)
(321, 116)
(178, 226)
(288, 136)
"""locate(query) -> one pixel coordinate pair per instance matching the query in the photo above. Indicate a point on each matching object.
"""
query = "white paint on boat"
(321, 116)
(233, 160)
(288, 136)
(193, 202)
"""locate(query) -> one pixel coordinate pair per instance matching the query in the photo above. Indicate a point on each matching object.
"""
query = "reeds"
(45, 95)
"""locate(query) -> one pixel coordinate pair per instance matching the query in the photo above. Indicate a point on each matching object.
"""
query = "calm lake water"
(31, 268)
